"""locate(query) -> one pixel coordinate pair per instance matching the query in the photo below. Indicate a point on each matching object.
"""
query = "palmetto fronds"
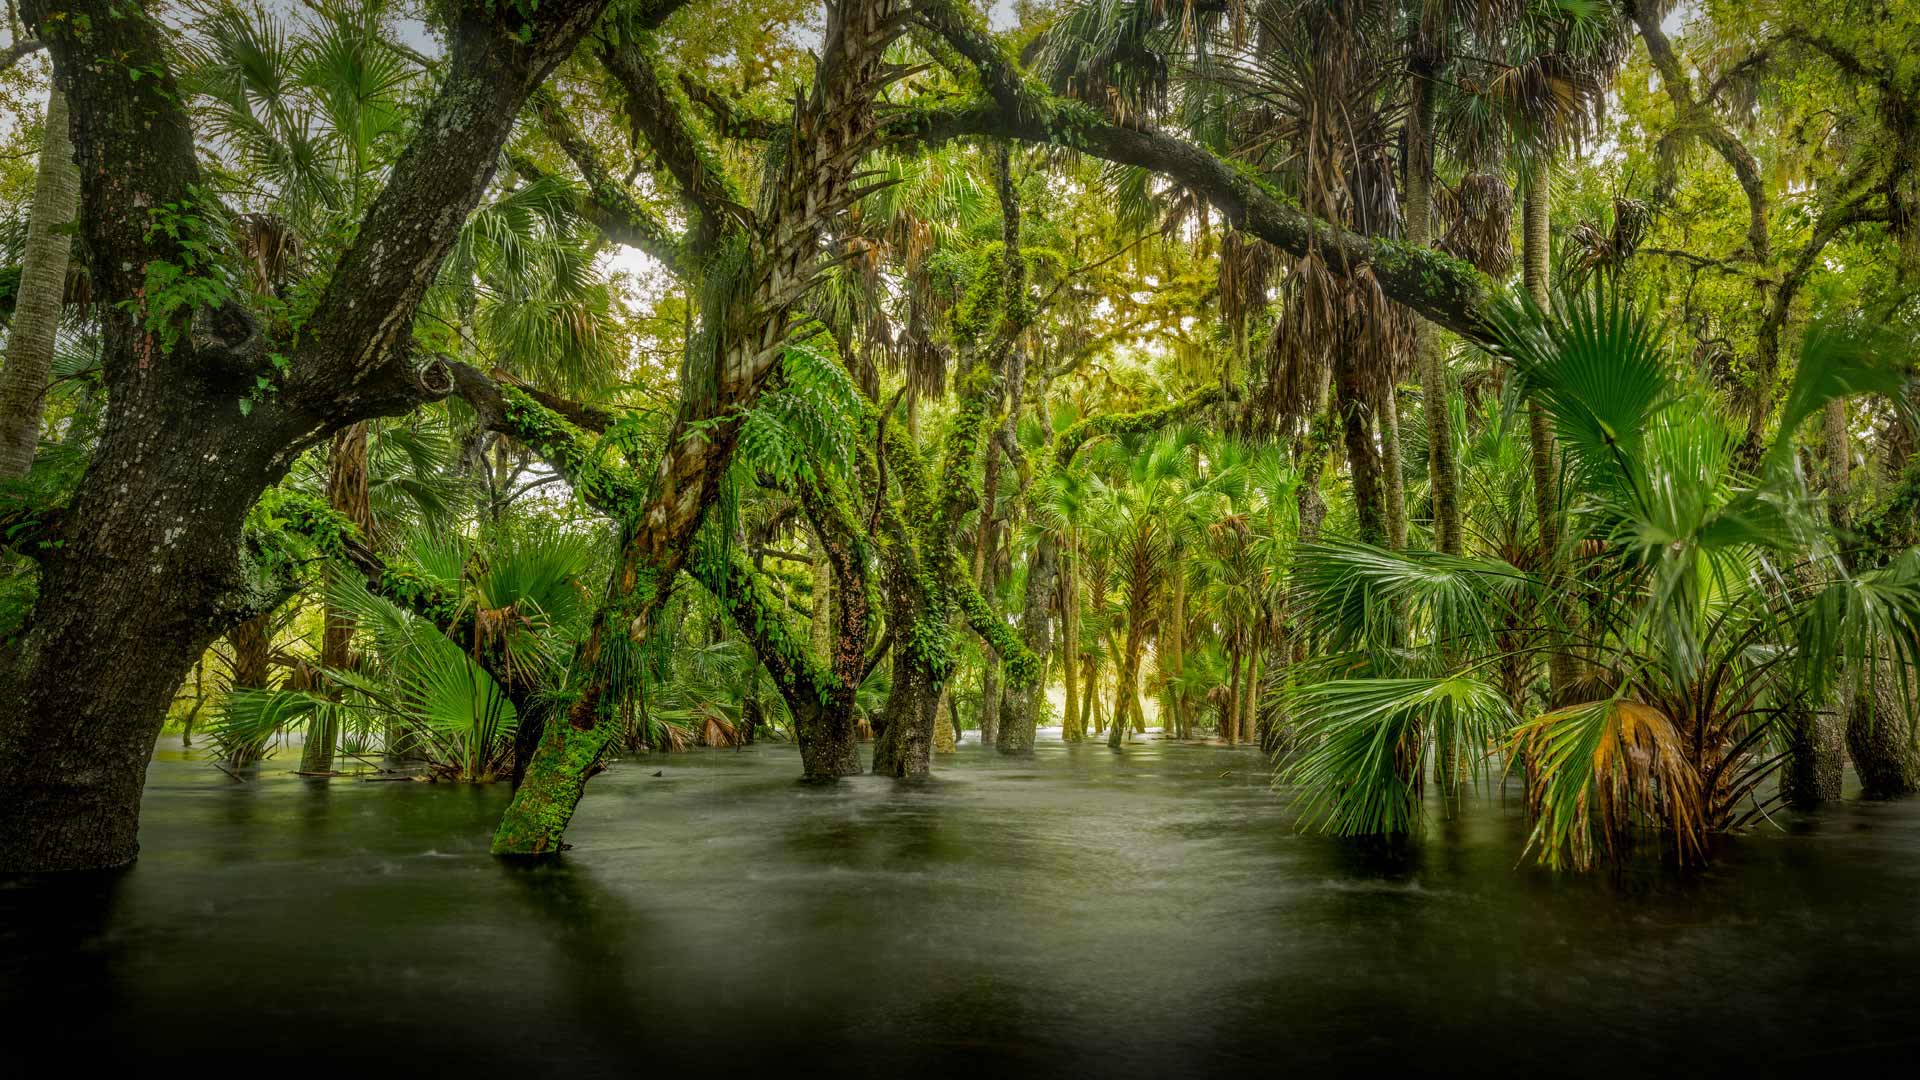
(1360, 770)
(1709, 602)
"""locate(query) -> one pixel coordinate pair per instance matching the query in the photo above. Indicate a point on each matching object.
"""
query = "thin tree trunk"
(1250, 713)
(199, 700)
(347, 493)
(1391, 467)
(1073, 723)
(1232, 725)
(1177, 653)
(1561, 669)
(1125, 698)
(42, 292)
(1429, 359)
(1090, 693)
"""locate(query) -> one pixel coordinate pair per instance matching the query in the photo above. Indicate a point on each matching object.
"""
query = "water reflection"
(1152, 912)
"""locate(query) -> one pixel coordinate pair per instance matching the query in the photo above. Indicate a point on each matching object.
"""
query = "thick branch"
(353, 359)
(15, 52)
(1071, 441)
(1444, 289)
(731, 120)
(658, 108)
(607, 203)
(1699, 116)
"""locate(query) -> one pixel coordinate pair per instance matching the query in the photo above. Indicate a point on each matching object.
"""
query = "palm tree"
(42, 291)
(1717, 608)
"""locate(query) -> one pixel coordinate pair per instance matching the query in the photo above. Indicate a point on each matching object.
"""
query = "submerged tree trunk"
(150, 565)
(1880, 739)
(1089, 694)
(1125, 700)
(1176, 718)
(42, 292)
(347, 493)
(831, 130)
(1817, 737)
(1073, 725)
(1815, 766)
(1231, 726)
(1250, 712)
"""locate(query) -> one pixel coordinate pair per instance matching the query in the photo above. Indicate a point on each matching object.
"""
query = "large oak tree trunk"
(150, 564)
(149, 571)
(814, 184)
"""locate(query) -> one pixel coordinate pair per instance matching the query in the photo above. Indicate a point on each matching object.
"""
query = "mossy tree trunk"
(151, 562)
(831, 130)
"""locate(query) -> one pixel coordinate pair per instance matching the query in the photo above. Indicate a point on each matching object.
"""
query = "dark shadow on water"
(1075, 912)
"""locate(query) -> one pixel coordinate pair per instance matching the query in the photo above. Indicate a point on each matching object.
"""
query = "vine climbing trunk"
(815, 182)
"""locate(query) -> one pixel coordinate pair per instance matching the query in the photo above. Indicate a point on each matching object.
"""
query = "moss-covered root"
(537, 817)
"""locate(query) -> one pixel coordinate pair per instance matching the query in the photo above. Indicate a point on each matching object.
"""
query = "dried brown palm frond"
(1603, 247)
(716, 729)
(1602, 768)
(1247, 266)
(921, 355)
(271, 249)
(1479, 213)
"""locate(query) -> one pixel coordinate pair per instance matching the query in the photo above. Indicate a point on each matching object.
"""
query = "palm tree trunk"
(1363, 459)
(43, 284)
(347, 493)
(1429, 360)
(251, 669)
(1126, 704)
(1816, 736)
(1395, 494)
(1880, 740)
(1073, 724)
(1089, 676)
(1177, 655)
(1250, 712)
(1561, 669)
(1231, 729)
